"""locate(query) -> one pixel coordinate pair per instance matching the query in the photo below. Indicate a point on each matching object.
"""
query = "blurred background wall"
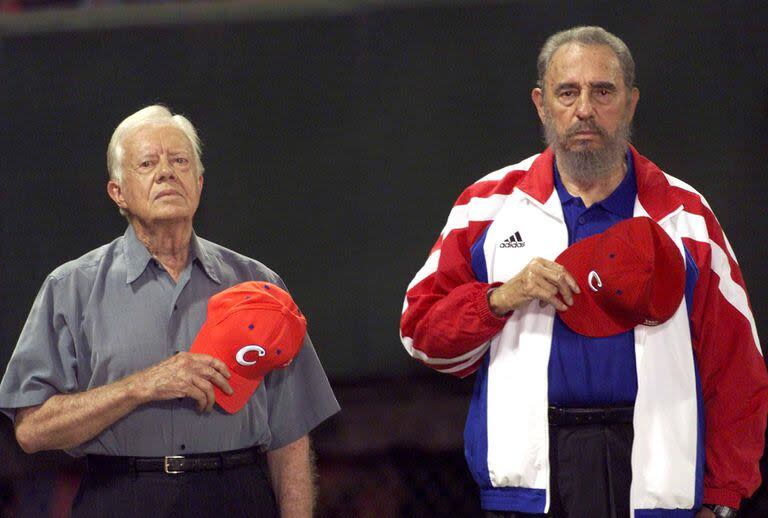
(337, 135)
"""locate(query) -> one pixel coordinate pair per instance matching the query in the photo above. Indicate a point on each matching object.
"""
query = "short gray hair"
(587, 36)
(155, 115)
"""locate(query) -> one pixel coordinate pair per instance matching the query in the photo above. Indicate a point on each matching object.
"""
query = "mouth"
(167, 193)
(586, 133)
(585, 130)
(585, 138)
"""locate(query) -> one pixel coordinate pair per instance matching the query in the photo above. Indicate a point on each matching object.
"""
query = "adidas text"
(513, 241)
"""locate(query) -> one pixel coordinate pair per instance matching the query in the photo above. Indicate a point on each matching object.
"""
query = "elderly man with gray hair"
(577, 411)
(102, 367)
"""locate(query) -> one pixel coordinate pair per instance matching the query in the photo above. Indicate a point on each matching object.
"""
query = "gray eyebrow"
(597, 84)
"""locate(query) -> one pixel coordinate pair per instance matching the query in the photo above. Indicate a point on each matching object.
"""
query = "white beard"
(585, 165)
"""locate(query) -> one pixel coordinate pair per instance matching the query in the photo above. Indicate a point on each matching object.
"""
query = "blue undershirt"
(585, 371)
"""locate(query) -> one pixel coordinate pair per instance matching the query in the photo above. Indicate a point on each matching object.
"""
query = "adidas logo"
(513, 241)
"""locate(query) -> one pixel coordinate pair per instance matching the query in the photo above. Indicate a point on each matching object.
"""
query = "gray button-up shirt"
(115, 311)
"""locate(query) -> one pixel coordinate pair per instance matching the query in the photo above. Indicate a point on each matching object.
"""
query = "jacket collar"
(654, 192)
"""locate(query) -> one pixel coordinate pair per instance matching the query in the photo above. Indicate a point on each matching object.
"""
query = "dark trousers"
(590, 472)
(243, 491)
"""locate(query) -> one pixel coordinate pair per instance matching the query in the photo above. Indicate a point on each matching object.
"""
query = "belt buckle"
(166, 461)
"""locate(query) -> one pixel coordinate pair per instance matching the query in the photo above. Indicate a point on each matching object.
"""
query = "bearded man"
(650, 421)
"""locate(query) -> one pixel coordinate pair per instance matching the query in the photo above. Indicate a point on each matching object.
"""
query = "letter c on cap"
(240, 356)
(593, 279)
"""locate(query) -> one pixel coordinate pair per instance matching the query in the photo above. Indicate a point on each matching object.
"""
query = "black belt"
(175, 464)
(578, 416)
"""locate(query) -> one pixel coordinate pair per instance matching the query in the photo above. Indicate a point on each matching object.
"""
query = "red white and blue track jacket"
(702, 398)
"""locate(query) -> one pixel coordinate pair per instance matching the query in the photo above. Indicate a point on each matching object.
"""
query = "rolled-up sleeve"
(44, 362)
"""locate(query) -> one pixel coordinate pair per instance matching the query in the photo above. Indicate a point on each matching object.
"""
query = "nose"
(166, 169)
(584, 107)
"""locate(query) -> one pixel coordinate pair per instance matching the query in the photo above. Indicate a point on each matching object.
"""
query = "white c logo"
(594, 278)
(240, 356)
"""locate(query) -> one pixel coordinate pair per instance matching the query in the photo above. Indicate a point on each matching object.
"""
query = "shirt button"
(175, 307)
(183, 446)
(582, 220)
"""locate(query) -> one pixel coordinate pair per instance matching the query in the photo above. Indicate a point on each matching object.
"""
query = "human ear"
(537, 96)
(116, 193)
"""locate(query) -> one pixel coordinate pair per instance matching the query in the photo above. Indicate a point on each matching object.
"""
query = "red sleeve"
(446, 323)
(731, 368)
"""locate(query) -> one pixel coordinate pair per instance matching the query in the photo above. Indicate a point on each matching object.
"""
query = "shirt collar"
(562, 192)
(137, 256)
(621, 201)
(198, 250)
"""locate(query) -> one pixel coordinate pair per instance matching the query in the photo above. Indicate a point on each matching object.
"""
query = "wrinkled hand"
(185, 375)
(542, 280)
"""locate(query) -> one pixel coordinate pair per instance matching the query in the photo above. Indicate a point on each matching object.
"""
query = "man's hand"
(705, 512)
(540, 279)
(183, 375)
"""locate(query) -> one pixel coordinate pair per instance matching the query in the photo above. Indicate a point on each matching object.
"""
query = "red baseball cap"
(253, 327)
(631, 274)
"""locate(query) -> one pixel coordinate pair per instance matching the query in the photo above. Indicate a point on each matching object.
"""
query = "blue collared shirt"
(585, 371)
